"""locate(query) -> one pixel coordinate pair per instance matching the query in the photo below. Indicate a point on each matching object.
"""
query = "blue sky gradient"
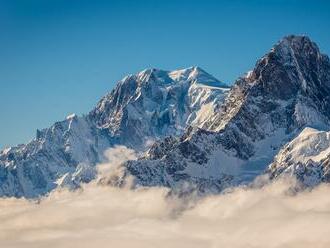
(60, 56)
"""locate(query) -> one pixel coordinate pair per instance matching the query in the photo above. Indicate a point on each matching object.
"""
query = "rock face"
(287, 90)
(144, 107)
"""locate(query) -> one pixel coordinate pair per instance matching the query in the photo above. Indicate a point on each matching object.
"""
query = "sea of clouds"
(99, 215)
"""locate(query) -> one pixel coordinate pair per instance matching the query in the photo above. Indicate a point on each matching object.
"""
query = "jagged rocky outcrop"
(144, 107)
(286, 91)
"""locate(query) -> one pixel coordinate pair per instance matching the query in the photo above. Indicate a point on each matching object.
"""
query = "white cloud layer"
(104, 216)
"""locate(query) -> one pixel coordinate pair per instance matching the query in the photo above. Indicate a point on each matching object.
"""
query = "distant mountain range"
(192, 129)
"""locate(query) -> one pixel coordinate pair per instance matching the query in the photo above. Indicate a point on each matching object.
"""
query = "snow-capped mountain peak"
(143, 107)
(288, 89)
(163, 98)
(197, 75)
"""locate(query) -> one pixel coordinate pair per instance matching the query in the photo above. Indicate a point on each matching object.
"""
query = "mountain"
(306, 157)
(155, 103)
(191, 130)
(142, 108)
(288, 89)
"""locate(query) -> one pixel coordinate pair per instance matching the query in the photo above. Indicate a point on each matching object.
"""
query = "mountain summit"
(294, 64)
(144, 107)
(286, 91)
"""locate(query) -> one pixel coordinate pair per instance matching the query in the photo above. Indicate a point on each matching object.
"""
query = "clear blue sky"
(59, 56)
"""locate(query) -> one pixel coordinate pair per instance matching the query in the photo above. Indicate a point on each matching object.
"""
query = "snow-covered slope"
(307, 158)
(155, 103)
(143, 107)
(288, 89)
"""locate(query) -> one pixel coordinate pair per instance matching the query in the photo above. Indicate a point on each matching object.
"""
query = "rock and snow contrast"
(288, 89)
(191, 129)
(142, 108)
(306, 157)
(154, 103)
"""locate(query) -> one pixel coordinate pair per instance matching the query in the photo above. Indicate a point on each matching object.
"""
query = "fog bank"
(104, 216)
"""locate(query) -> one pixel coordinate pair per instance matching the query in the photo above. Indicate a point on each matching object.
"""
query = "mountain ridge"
(139, 108)
(203, 134)
(263, 110)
